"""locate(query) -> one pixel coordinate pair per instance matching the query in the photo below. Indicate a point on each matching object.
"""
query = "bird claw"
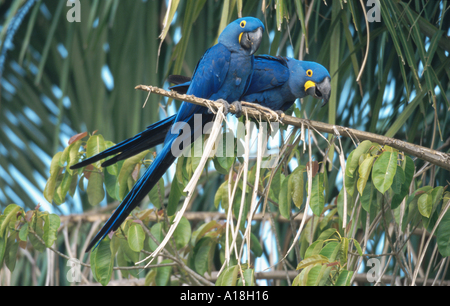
(226, 107)
(238, 108)
(280, 114)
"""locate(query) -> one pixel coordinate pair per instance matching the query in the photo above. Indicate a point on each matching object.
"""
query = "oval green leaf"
(95, 190)
(136, 237)
(384, 170)
(425, 204)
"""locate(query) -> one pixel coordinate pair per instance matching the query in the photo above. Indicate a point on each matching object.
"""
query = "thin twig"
(88, 265)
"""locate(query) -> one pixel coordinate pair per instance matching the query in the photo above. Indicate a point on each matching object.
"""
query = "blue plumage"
(277, 82)
(224, 72)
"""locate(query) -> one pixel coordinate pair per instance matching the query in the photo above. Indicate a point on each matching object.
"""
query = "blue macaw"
(277, 82)
(223, 73)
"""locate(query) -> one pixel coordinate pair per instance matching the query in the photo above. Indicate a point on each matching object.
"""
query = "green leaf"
(196, 153)
(225, 153)
(9, 214)
(314, 248)
(115, 244)
(3, 242)
(73, 155)
(39, 230)
(136, 237)
(170, 13)
(95, 145)
(302, 278)
(255, 246)
(202, 230)
(202, 255)
(443, 235)
(364, 173)
(368, 197)
(311, 261)
(328, 218)
(73, 184)
(222, 196)
(50, 186)
(343, 248)
(129, 254)
(102, 262)
(51, 226)
(425, 204)
(218, 167)
(280, 7)
(126, 257)
(284, 199)
(48, 42)
(157, 195)
(125, 172)
(156, 231)
(23, 234)
(182, 233)
(12, 246)
(408, 171)
(110, 184)
(358, 247)
(228, 277)
(275, 187)
(180, 171)
(344, 278)
(317, 198)
(249, 277)
(95, 190)
(446, 196)
(64, 187)
(174, 198)
(318, 275)
(327, 234)
(163, 274)
(398, 181)
(350, 179)
(436, 196)
(301, 17)
(330, 250)
(353, 158)
(150, 277)
(384, 170)
(296, 186)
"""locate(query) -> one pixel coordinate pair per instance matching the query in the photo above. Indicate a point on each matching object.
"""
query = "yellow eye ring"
(309, 72)
(243, 23)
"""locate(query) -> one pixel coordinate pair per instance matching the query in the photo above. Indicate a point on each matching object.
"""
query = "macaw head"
(309, 78)
(243, 34)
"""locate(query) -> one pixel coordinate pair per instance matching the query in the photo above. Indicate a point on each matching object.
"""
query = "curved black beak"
(320, 90)
(251, 40)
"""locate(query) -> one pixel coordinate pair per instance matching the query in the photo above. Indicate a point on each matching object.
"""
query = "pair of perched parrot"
(228, 72)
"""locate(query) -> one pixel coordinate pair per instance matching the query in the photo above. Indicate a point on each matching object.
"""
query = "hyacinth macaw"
(277, 82)
(223, 73)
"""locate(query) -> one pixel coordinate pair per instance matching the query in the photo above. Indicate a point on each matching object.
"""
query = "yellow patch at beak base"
(240, 36)
(309, 84)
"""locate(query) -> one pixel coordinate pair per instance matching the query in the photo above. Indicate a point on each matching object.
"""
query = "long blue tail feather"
(142, 187)
(152, 136)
